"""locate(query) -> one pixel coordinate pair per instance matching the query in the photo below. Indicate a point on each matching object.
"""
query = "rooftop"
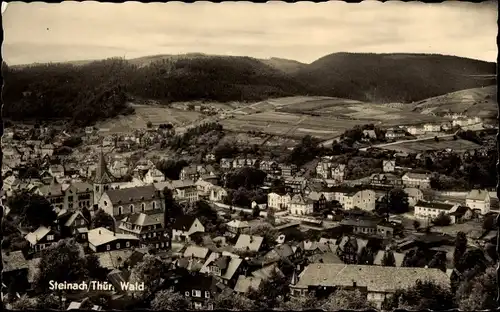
(100, 236)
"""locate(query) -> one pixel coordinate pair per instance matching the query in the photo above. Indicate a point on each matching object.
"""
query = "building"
(42, 238)
(479, 200)
(300, 205)
(102, 240)
(217, 194)
(236, 227)
(395, 134)
(73, 224)
(378, 282)
(189, 173)
(200, 289)
(184, 226)
(102, 179)
(204, 188)
(415, 130)
(295, 184)
(385, 179)
(184, 191)
(121, 202)
(80, 195)
(55, 194)
(338, 172)
(414, 195)
(432, 127)
(323, 169)
(224, 268)
(288, 171)
(388, 165)
(319, 200)
(148, 228)
(249, 242)
(361, 226)
(418, 180)
(364, 199)
(153, 176)
(430, 210)
(278, 202)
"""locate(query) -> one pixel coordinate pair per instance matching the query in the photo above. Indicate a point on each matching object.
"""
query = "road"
(407, 141)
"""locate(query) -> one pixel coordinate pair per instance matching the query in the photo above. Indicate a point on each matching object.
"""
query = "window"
(131, 208)
(118, 246)
(70, 198)
(127, 244)
(207, 294)
(97, 188)
(50, 237)
(187, 293)
(120, 210)
(108, 247)
(196, 293)
(154, 205)
(143, 207)
(105, 203)
(210, 306)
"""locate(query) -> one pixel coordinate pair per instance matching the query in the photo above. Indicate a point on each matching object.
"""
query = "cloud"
(303, 31)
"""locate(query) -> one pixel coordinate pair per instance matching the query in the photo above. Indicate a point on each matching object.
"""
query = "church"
(123, 202)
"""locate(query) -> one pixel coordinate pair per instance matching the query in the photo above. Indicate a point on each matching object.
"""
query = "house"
(301, 206)
(278, 202)
(15, 271)
(323, 169)
(47, 149)
(376, 281)
(200, 289)
(183, 190)
(386, 229)
(249, 242)
(210, 157)
(479, 200)
(432, 127)
(119, 168)
(385, 179)
(224, 268)
(418, 180)
(318, 199)
(153, 176)
(361, 226)
(217, 194)
(430, 210)
(120, 202)
(236, 227)
(287, 171)
(196, 252)
(244, 284)
(189, 173)
(56, 171)
(370, 134)
(296, 184)
(416, 130)
(414, 195)
(42, 238)
(388, 165)
(148, 228)
(460, 214)
(102, 240)
(395, 134)
(363, 199)
(76, 305)
(73, 224)
(270, 167)
(338, 172)
(55, 194)
(204, 187)
(226, 163)
(84, 194)
(349, 249)
(184, 226)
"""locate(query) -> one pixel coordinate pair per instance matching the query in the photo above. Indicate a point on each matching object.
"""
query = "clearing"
(457, 145)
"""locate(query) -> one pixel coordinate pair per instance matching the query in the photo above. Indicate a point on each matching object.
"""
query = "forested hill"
(87, 91)
(100, 89)
(394, 77)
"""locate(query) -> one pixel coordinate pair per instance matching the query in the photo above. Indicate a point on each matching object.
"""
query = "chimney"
(99, 232)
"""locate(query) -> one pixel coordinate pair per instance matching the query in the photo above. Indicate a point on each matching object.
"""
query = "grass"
(458, 145)
(146, 113)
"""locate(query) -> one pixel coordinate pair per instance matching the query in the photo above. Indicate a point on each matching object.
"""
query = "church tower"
(102, 179)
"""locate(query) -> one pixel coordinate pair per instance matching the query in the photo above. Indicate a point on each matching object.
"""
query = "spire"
(294, 280)
(102, 169)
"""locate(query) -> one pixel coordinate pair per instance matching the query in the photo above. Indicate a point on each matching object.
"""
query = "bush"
(442, 220)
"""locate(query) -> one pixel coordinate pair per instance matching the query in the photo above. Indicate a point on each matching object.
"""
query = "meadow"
(457, 145)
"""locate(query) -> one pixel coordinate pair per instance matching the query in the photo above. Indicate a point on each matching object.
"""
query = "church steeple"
(102, 178)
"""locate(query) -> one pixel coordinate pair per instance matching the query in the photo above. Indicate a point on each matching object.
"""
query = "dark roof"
(102, 169)
(198, 282)
(359, 222)
(133, 194)
(183, 223)
(222, 262)
(461, 210)
(441, 206)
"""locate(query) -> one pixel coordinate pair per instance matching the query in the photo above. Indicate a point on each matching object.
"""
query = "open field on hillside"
(314, 104)
(144, 113)
(458, 145)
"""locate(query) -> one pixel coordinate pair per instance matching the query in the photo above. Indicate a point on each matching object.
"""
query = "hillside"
(473, 102)
(393, 77)
(286, 66)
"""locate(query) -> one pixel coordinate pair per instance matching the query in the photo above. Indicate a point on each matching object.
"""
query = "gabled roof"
(440, 206)
(417, 176)
(102, 173)
(183, 223)
(101, 236)
(37, 235)
(249, 242)
(238, 224)
(477, 195)
(132, 195)
(141, 219)
(82, 187)
(196, 252)
(245, 284)
(233, 263)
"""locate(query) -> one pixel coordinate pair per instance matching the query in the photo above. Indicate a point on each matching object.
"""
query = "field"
(458, 145)
(144, 113)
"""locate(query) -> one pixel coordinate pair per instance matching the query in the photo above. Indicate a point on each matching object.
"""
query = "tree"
(149, 125)
(149, 271)
(423, 295)
(489, 223)
(472, 259)
(366, 256)
(438, 261)
(103, 219)
(389, 259)
(65, 262)
(436, 139)
(34, 210)
(479, 293)
(230, 301)
(346, 300)
(416, 224)
(398, 201)
(270, 216)
(442, 220)
(265, 230)
(169, 300)
(460, 249)
(24, 303)
(256, 211)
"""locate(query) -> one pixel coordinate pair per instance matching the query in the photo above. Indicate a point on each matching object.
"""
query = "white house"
(204, 187)
(432, 127)
(430, 210)
(130, 200)
(479, 200)
(418, 180)
(364, 199)
(277, 201)
(414, 195)
(153, 176)
(338, 172)
(301, 206)
(184, 226)
(183, 190)
(388, 165)
(415, 130)
(217, 194)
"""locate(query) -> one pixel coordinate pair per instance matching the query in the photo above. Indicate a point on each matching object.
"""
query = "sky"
(68, 31)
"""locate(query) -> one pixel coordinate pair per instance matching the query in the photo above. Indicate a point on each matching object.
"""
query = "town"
(204, 223)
